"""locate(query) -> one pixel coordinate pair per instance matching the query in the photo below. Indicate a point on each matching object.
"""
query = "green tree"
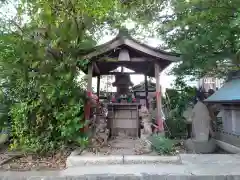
(206, 33)
(41, 50)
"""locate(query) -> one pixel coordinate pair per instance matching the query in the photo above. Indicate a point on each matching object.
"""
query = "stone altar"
(123, 112)
(123, 118)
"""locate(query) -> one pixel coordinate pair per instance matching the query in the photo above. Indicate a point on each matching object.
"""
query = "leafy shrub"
(177, 127)
(178, 101)
(4, 112)
(46, 109)
(162, 145)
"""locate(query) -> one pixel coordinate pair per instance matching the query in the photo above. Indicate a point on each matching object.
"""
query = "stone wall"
(231, 119)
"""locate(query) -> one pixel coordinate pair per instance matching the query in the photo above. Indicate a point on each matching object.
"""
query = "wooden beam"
(158, 99)
(137, 59)
(141, 59)
(98, 85)
(116, 73)
(149, 67)
(146, 91)
(96, 68)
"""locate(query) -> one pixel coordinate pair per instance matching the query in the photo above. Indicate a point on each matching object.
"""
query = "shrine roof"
(127, 40)
(229, 93)
(140, 56)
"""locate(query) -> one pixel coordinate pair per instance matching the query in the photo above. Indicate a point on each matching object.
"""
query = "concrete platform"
(157, 169)
(78, 160)
(193, 166)
(134, 172)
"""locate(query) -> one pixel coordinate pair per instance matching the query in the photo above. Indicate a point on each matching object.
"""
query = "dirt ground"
(120, 145)
(18, 162)
(123, 145)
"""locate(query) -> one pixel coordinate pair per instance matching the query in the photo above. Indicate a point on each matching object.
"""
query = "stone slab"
(210, 170)
(228, 147)
(93, 160)
(78, 160)
(210, 159)
(134, 169)
(186, 171)
(128, 159)
(194, 166)
(185, 159)
(125, 177)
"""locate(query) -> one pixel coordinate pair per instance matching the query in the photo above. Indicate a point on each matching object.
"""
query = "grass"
(162, 145)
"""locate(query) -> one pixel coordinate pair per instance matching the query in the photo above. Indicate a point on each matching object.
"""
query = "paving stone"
(175, 177)
(127, 177)
(124, 177)
(93, 160)
(207, 177)
(150, 159)
(74, 178)
(157, 177)
(233, 177)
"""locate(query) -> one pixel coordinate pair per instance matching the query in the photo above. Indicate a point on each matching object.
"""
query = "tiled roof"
(229, 93)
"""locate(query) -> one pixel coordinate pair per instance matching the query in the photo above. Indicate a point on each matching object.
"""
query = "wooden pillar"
(146, 92)
(89, 75)
(87, 108)
(121, 69)
(158, 99)
(98, 86)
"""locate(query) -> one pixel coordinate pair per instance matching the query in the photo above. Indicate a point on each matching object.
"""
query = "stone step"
(76, 161)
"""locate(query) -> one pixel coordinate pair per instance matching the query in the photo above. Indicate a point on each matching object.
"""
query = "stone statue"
(200, 122)
(200, 141)
(187, 115)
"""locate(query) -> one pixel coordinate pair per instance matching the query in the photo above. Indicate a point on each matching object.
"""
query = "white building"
(210, 83)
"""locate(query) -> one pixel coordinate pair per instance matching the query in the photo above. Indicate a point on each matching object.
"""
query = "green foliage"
(4, 109)
(162, 145)
(178, 102)
(47, 104)
(206, 33)
(41, 51)
(38, 71)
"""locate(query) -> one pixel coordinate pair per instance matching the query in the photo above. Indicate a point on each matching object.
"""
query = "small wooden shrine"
(123, 51)
(227, 126)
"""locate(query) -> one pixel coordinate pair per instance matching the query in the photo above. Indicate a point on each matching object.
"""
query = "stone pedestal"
(203, 147)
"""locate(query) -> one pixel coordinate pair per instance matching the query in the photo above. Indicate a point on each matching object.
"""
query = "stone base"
(228, 147)
(203, 147)
(78, 161)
